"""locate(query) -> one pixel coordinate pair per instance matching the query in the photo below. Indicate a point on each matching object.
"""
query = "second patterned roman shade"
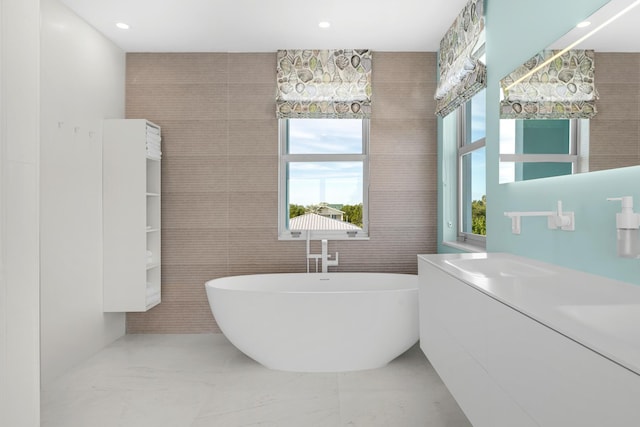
(323, 84)
(461, 74)
(551, 85)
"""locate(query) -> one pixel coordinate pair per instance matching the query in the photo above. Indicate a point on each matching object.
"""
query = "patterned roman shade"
(551, 87)
(323, 84)
(461, 75)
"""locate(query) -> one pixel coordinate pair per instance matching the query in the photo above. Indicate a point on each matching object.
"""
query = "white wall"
(19, 305)
(83, 82)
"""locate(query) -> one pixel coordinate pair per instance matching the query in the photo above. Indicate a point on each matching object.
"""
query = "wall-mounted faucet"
(555, 219)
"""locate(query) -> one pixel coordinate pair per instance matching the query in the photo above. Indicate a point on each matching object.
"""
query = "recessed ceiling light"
(123, 26)
(583, 24)
(324, 24)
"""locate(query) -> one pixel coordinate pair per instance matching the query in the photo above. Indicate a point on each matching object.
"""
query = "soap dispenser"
(628, 225)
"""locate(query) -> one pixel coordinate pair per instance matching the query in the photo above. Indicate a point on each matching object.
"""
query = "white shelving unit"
(131, 208)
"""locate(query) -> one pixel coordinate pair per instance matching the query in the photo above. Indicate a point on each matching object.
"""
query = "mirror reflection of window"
(609, 140)
(532, 149)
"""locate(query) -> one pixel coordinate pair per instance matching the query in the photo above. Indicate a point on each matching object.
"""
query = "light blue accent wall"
(515, 31)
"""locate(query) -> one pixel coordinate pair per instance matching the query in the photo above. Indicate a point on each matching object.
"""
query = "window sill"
(467, 247)
(314, 238)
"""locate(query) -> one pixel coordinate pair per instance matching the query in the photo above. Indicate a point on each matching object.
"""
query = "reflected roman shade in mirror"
(323, 84)
(545, 87)
(461, 74)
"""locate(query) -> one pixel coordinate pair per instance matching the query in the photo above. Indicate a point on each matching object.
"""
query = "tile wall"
(220, 173)
(615, 130)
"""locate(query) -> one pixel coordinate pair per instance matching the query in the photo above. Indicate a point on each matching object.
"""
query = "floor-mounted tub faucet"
(325, 257)
(315, 257)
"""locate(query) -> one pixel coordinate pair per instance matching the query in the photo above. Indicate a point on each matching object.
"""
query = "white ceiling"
(269, 25)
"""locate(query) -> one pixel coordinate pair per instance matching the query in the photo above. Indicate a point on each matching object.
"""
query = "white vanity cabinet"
(131, 210)
(454, 337)
(506, 368)
(556, 380)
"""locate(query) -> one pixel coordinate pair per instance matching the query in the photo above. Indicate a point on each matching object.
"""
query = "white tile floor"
(202, 380)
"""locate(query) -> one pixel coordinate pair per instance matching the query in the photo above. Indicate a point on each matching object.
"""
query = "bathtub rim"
(225, 283)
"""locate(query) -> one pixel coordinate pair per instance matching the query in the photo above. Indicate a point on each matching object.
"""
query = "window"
(472, 199)
(540, 148)
(323, 178)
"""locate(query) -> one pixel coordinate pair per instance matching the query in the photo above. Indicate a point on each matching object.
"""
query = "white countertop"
(600, 313)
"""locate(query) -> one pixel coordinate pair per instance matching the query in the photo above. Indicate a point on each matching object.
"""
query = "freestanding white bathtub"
(331, 322)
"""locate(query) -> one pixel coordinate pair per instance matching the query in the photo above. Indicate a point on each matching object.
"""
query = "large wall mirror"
(607, 51)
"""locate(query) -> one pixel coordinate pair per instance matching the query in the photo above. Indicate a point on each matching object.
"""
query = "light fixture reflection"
(577, 42)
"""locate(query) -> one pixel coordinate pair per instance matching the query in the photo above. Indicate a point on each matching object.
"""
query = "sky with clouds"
(331, 182)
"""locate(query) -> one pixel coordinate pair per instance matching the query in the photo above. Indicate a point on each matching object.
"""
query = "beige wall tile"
(253, 68)
(195, 210)
(402, 100)
(194, 137)
(151, 69)
(605, 162)
(191, 274)
(618, 101)
(253, 173)
(254, 100)
(177, 101)
(406, 172)
(180, 317)
(253, 136)
(617, 67)
(251, 209)
(615, 130)
(200, 174)
(416, 209)
(220, 174)
(395, 67)
(614, 137)
(186, 246)
(404, 136)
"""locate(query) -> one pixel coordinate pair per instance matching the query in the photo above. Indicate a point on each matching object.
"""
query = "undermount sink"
(497, 267)
(620, 320)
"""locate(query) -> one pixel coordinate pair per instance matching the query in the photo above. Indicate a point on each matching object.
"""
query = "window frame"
(283, 206)
(464, 129)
